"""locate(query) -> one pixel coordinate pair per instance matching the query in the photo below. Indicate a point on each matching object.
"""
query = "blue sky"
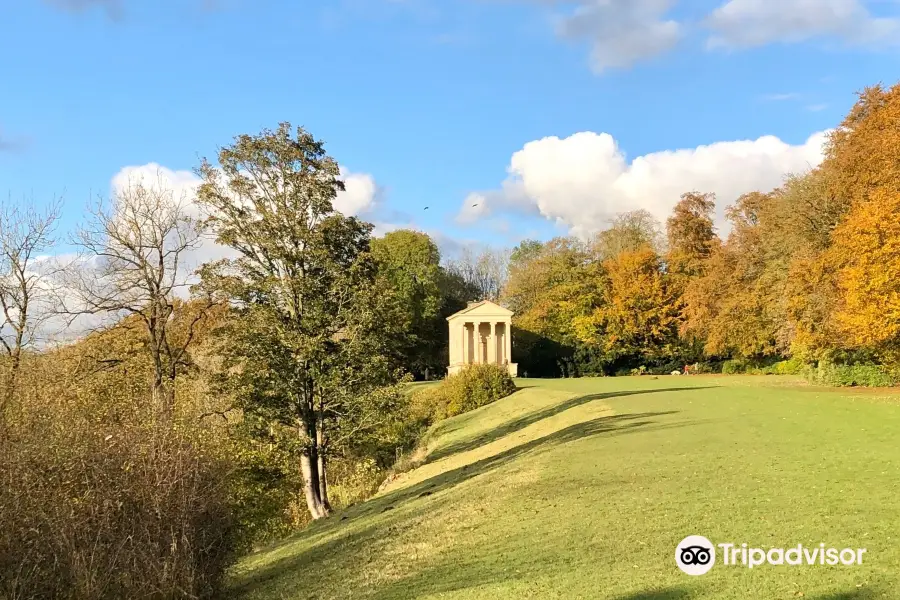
(442, 103)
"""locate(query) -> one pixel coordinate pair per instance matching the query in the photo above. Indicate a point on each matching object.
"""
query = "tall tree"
(553, 288)
(409, 262)
(866, 255)
(861, 154)
(691, 233)
(132, 264)
(305, 290)
(731, 306)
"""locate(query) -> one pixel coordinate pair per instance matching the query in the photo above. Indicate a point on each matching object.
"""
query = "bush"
(736, 366)
(129, 514)
(792, 366)
(471, 388)
(865, 375)
(97, 502)
(765, 366)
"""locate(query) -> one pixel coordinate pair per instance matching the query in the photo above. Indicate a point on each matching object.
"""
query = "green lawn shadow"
(539, 415)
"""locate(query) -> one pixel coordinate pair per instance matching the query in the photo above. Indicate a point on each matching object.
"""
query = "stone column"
(476, 342)
(465, 343)
(492, 344)
(507, 334)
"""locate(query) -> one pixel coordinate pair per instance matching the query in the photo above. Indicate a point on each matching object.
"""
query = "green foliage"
(425, 293)
(791, 366)
(473, 387)
(852, 375)
(763, 366)
(734, 367)
(311, 339)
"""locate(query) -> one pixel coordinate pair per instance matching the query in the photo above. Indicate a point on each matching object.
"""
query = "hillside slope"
(583, 488)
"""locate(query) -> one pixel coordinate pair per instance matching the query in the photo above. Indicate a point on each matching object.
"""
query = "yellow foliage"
(640, 314)
(866, 251)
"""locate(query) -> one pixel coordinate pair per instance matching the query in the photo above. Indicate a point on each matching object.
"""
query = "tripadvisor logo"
(696, 555)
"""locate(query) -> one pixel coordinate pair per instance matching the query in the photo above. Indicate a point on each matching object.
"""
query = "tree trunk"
(323, 483)
(309, 466)
(311, 488)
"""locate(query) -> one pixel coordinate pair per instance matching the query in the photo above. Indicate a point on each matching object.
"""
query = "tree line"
(808, 273)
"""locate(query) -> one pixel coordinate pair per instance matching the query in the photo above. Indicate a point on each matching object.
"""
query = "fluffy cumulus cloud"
(747, 23)
(584, 180)
(359, 195)
(621, 32)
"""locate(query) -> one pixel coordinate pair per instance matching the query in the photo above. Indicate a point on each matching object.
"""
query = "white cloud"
(781, 97)
(748, 23)
(584, 180)
(359, 195)
(622, 32)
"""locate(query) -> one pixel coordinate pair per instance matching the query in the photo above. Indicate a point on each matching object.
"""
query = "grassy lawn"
(582, 488)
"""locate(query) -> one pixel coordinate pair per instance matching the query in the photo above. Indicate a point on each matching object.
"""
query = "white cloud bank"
(582, 181)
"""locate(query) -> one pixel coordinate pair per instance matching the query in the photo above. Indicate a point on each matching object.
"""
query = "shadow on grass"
(666, 594)
(327, 560)
(859, 594)
(538, 415)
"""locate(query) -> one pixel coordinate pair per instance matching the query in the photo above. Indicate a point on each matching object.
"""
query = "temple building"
(480, 333)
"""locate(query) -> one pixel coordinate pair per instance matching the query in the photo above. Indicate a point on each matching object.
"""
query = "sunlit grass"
(582, 488)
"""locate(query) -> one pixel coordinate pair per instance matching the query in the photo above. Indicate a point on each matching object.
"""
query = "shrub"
(865, 375)
(127, 514)
(97, 501)
(763, 366)
(792, 366)
(471, 388)
(734, 367)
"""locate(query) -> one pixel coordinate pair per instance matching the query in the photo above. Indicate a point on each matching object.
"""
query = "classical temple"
(480, 333)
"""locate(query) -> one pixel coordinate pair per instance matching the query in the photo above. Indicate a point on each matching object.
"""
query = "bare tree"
(131, 264)
(628, 232)
(25, 232)
(484, 270)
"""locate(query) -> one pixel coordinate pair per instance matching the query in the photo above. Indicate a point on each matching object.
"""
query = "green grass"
(582, 488)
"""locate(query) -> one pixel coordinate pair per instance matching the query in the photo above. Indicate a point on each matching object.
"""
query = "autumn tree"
(866, 257)
(691, 234)
(552, 288)
(306, 352)
(861, 154)
(732, 307)
(639, 315)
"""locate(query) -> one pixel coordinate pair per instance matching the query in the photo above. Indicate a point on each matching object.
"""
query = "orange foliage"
(866, 251)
